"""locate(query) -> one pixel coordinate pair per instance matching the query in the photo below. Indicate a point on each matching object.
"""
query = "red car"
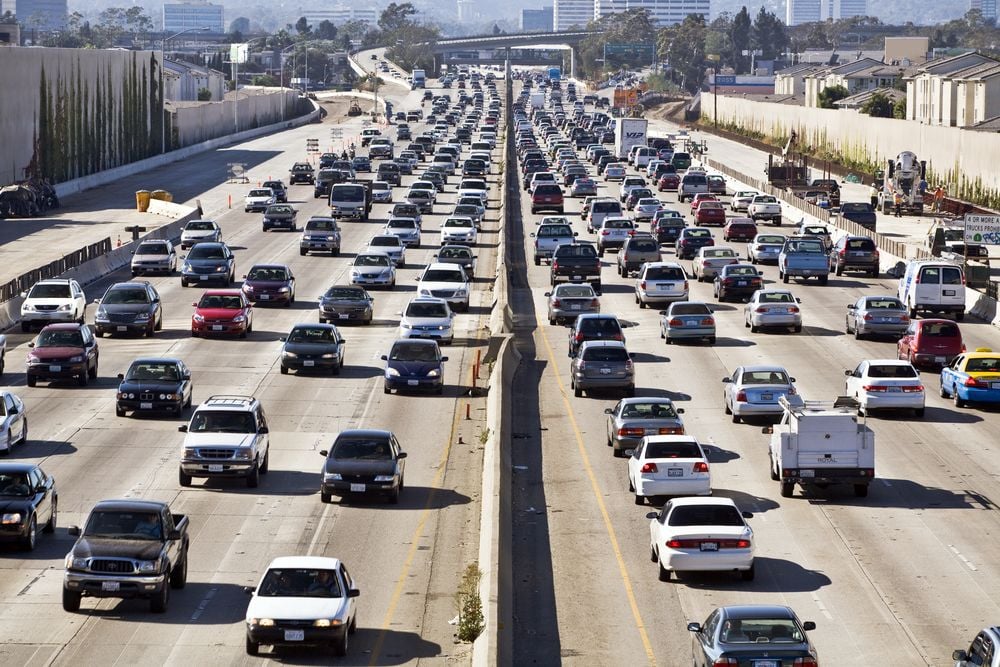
(931, 342)
(710, 213)
(739, 229)
(669, 182)
(270, 283)
(64, 351)
(224, 312)
(699, 198)
(547, 197)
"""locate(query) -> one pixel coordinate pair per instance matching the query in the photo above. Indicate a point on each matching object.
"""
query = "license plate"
(55, 369)
(675, 472)
(939, 360)
(605, 371)
(265, 297)
(949, 292)
(894, 389)
(308, 362)
(766, 663)
(215, 467)
(145, 406)
(994, 385)
(767, 397)
(110, 586)
(709, 546)
(202, 277)
(577, 277)
(295, 635)
(741, 283)
(779, 310)
(575, 306)
(121, 328)
(413, 383)
(807, 473)
(343, 316)
(358, 488)
(216, 327)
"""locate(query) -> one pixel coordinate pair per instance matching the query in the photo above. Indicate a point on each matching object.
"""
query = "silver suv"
(227, 437)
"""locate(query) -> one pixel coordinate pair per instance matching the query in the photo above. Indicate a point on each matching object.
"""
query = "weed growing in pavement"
(471, 621)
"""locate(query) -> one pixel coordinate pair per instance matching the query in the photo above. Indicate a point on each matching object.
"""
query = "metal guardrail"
(13, 288)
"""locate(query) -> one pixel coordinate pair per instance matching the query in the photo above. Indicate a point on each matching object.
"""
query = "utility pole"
(163, 120)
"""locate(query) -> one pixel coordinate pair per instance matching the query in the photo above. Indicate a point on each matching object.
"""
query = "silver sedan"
(772, 308)
(765, 248)
(754, 391)
(634, 418)
(877, 316)
(569, 300)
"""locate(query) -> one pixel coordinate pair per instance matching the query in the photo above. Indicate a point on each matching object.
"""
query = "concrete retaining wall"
(963, 157)
(196, 122)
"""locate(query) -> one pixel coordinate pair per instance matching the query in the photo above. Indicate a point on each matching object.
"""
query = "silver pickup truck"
(804, 257)
(765, 207)
(549, 237)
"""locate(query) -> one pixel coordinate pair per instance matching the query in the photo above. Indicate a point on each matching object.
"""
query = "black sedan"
(313, 347)
(737, 281)
(346, 303)
(759, 635)
(28, 499)
(363, 462)
(154, 384)
(131, 307)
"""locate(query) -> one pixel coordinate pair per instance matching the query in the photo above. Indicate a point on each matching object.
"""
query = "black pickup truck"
(577, 263)
(127, 549)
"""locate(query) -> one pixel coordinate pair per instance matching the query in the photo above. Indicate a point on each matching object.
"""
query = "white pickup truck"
(765, 207)
(820, 443)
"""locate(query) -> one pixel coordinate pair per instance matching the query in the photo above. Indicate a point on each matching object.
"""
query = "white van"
(600, 210)
(643, 156)
(933, 286)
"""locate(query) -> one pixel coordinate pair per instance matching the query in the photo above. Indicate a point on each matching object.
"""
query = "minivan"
(681, 161)
(933, 286)
(600, 210)
(643, 156)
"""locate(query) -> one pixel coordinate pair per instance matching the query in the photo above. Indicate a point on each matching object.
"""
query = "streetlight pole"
(281, 83)
(163, 119)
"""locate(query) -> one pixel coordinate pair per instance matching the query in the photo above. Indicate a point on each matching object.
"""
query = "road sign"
(336, 132)
(238, 53)
(312, 145)
(723, 80)
(647, 51)
(982, 229)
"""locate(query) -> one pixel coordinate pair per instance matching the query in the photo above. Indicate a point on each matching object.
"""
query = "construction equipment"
(355, 109)
(792, 170)
(27, 199)
(903, 175)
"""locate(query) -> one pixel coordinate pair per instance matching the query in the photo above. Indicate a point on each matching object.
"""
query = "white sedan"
(710, 260)
(701, 535)
(458, 230)
(772, 308)
(886, 384)
(742, 199)
(668, 465)
(13, 423)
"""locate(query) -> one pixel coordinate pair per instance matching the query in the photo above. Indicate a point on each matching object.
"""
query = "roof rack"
(846, 404)
(230, 399)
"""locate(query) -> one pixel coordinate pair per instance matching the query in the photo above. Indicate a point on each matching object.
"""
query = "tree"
(684, 45)
(205, 95)
(831, 94)
(718, 39)
(899, 109)
(633, 26)
(768, 35)
(395, 17)
(326, 30)
(740, 36)
(879, 106)
(302, 27)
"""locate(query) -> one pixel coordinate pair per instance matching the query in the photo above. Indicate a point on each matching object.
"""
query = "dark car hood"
(207, 263)
(311, 348)
(266, 284)
(156, 386)
(126, 307)
(11, 504)
(413, 367)
(55, 352)
(361, 467)
(87, 547)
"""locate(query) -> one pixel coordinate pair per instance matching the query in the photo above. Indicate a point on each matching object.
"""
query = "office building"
(987, 7)
(340, 14)
(193, 16)
(662, 12)
(466, 11)
(846, 9)
(536, 20)
(567, 14)
(43, 15)
(798, 12)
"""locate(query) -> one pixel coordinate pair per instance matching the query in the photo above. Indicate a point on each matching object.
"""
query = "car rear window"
(574, 291)
(605, 354)
(940, 330)
(548, 190)
(690, 309)
(576, 251)
(884, 304)
(617, 224)
(644, 245)
(705, 515)
(776, 297)
(555, 230)
(606, 207)
(765, 377)
(672, 450)
(664, 273)
(695, 179)
(892, 371)
(699, 233)
(983, 365)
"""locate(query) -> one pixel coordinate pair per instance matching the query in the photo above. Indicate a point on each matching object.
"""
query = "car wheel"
(770, 465)
(303, 252)
(753, 328)
(839, 270)
(748, 575)
(71, 600)
(179, 575)
(860, 490)
(159, 603)
(184, 283)
(82, 379)
(266, 463)
(919, 413)
(959, 403)
(253, 478)
(284, 370)
(797, 329)
(783, 276)
(736, 418)
(385, 389)
(631, 486)
(664, 573)
(577, 391)
(30, 541)
(25, 327)
(340, 645)
(325, 497)
(787, 489)
(183, 478)
(711, 340)
(119, 412)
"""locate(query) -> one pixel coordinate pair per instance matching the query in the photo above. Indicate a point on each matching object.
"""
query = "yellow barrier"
(162, 195)
(142, 198)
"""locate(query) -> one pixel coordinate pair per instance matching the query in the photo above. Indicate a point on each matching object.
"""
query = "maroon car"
(669, 182)
(710, 213)
(739, 229)
(931, 342)
(270, 283)
(61, 352)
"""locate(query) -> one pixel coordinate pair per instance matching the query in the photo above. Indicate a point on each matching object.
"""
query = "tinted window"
(940, 330)
(205, 251)
(695, 179)
(423, 309)
(705, 515)
(764, 377)
(408, 351)
(128, 295)
(576, 251)
(892, 371)
(605, 354)
(951, 276)
(664, 273)
(325, 225)
(689, 309)
(345, 293)
(672, 450)
(200, 225)
(312, 335)
(548, 190)
(886, 304)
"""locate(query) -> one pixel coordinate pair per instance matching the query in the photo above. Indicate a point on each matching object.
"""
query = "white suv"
(445, 281)
(51, 301)
(227, 437)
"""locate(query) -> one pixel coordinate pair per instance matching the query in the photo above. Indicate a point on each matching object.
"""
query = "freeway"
(901, 577)
(405, 558)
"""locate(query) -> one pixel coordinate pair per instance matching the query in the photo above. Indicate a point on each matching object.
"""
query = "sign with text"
(982, 229)
(238, 53)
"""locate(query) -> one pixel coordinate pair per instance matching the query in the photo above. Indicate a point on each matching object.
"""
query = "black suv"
(301, 172)
(131, 307)
(280, 192)
(594, 327)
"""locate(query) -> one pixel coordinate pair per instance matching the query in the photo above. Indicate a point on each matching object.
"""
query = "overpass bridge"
(566, 40)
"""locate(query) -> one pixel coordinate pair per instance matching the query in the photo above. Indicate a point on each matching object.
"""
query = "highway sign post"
(982, 229)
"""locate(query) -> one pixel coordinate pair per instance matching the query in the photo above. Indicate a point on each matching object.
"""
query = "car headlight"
(10, 518)
(262, 622)
(198, 318)
(355, 274)
(243, 454)
(65, 308)
(247, 287)
(240, 318)
(331, 238)
(186, 268)
(146, 565)
(332, 476)
(168, 397)
(433, 373)
(383, 478)
(284, 290)
(391, 372)
(75, 360)
(425, 292)
(405, 325)
(27, 308)
(289, 355)
(190, 452)
(327, 622)
(460, 293)
(142, 316)
(220, 269)
(101, 315)
(329, 355)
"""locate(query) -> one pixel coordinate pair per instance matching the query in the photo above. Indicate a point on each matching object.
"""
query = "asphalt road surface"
(407, 559)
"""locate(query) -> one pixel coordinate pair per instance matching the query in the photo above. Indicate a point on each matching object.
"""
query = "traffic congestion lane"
(817, 358)
(236, 532)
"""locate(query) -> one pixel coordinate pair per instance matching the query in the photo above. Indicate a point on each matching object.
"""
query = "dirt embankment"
(337, 107)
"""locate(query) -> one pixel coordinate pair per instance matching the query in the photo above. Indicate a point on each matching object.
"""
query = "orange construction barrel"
(142, 200)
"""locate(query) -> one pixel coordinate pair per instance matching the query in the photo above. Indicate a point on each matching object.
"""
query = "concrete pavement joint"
(962, 558)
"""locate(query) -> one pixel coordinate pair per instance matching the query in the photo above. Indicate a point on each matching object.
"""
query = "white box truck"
(629, 132)
(419, 79)
(537, 100)
(820, 443)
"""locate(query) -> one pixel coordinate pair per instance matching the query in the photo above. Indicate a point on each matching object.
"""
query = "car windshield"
(325, 225)
(892, 371)
(128, 525)
(764, 377)
(268, 273)
(664, 273)
(59, 338)
(222, 421)
(202, 251)
(649, 411)
(372, 260)
(574, 291)
(364, 448)
(300, 583)
(672, 450)
(312, 335)
(200, 225)
(386, 241)
(443, 276)
(151, 249)
(705, 515)
(761, 631)
(776, 297)
(425, 309)
(50, 291)
(345, 294)
(883, 304)
(118, 296)
(605, 354)
(458, 222)
(414, 352)
(14, 484)
(224, 301)
(162, 372)
(261, 193)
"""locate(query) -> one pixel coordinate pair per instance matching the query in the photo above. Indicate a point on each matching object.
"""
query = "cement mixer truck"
(903, 175)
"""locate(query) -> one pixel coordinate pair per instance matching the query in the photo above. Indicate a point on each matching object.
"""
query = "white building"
(572, 13)
(193, 15)
(798, 12)
(183, 80)
(466, 11)
(987, 7)
(340, 14)
(845, 9)
(956, 91)
(670, 12)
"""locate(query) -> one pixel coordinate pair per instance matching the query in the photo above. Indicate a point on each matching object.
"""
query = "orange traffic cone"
(119, 245)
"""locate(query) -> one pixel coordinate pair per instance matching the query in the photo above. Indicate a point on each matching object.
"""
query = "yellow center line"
(612, 537)
(414, 539)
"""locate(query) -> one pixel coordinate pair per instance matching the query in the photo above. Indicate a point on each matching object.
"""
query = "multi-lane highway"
(406, 558)
(901, 577)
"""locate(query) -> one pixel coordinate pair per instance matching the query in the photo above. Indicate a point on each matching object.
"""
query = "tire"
(30, 541)
(159, 604)
(385, 389)
(754, 328)
(183, 478)
(711, 340)
(823, 280)
(538, 261)
(253, 648)
(266, 463)
(774, 473)
(179, 574)
(394, 497)
(959, 403)
(303, 253)
(942, 392)
(960, 316)
(340, 646)
(748, 575)
(284, 370)
(784, 277)
(119, 412)
(577, 391)
(50, 525)
(631, 486)
(639, 500)
(787, 489)
(93, 373)
(839, 270)
(25, 327)
(664, 573)
(82, 379)
(71, 600)
(253, 478)
(736, 418)
(860, 490)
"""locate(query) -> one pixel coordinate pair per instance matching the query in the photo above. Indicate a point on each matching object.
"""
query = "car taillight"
(685, 285)
(868, 317)
(741, 396)
(793, 309)
(595, 302)
(762, 310)
(734, 544)
(904, 318)
(631, 432)
(843, 253)
(805, 662)
(675, 322)
(699, 466)
(648, 467)
(671, 430)
(556, 303)
(875, 388)
(605, 232)
(875, 254)
(973, 382)
(616, 336)
(729, 281)
(555, 265)
(579, 337)
(628, 364)
(963, 347)
(708, 321)
(912, 389)
(642, 284)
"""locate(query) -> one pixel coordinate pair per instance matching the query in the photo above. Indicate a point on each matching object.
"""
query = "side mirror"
(283, 339)
(265, 430)
(609, 411)
(444, 359)
(792, 380)
(353, 593)
(324, 452)
(73, 530)
(629, 453)
(532, 234)
(652, 515)
(662, 312)
(97, 300)
(767, 430)
(959, 655)
(194, 303)
(747, 515)
(848, 372)
(385, 358)
(248, 590)
(727, 379)
(24, 294)
(808, 625)
(121, 376)
(851, 306)
(31, 344)
(174, 534)
(183, 428)
(402, 455)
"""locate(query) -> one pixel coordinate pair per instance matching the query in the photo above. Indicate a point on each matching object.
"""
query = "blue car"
(208, 262)
(973, 377)
(414, 364)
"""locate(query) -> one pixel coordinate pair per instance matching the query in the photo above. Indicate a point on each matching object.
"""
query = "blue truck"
(555, 73)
